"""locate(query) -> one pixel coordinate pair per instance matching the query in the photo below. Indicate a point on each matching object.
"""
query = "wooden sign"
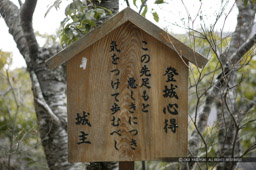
(127, 93)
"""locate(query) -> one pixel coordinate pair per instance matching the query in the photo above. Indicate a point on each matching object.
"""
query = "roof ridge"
(114, 22)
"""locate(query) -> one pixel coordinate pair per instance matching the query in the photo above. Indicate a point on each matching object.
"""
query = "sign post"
(127, 92)
(126, 165)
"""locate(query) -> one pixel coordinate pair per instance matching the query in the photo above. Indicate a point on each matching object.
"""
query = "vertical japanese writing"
(169, 92)
(115, 82)
(145, 76)
(145, 85)
(133, 120)
(83, 119)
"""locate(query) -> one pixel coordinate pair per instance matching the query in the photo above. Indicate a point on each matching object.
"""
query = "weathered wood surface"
(90, 90)
(119, 19)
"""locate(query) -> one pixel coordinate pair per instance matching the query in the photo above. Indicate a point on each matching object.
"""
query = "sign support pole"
(126, 165)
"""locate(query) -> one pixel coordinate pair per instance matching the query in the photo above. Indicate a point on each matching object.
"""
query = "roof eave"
(116, 21)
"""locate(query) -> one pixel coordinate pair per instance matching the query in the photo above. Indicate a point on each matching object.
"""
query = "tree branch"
(127, 3)
(26, 15)
(10, 13)
(236, 57)
(20, 3)
(38, 97)
(243, 29)
(142, 5)
(48, 87)
(251, 148)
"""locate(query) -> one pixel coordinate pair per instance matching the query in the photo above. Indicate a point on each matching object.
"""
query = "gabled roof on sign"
(122, 17)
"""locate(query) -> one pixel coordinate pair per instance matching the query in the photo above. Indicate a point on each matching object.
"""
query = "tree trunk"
(228, 115)
(49, 87)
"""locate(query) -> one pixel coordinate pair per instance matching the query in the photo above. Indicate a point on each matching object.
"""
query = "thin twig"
(224, 23)
(251, 148)
(142, 5)
(20, 3)
(15, 117)
(127, 3)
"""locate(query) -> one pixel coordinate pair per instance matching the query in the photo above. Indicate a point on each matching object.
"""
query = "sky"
(183, 13)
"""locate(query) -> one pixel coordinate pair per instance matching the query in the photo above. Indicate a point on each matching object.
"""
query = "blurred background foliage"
(20, 145)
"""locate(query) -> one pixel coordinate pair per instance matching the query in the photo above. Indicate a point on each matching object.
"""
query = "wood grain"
(115, 22)
(90, 91)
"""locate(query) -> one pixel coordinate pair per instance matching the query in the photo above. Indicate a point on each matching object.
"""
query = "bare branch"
(127, 3)
(220, 82)
(251, 148)
(3, 94)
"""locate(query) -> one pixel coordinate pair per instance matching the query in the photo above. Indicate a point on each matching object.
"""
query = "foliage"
(80, 19)
(19, 138)
(5, 59)
(143, 7)
(247, 93)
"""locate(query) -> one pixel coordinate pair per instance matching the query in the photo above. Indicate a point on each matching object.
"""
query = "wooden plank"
(121, 18)
(141, 135)
(126, 165)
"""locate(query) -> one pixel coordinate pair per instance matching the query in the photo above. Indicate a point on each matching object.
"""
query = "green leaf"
(68, 10)
(75, 23)
(88, 27)
(245, 2)
(97, 15)
(145, 11)
(1, 64)
(106, 9)
(90, 14)
(156, 17)
(100, 11)
(68, 32)
(56, 4)
(159, 1)
(63, 23)
(134, 3)
(91, 22)
(48, 10)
